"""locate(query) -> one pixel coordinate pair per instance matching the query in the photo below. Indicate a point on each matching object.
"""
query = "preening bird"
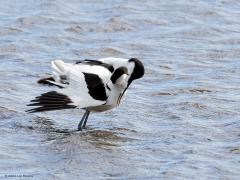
(92, 85)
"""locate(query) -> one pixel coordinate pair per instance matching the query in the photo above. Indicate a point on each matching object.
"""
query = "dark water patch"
(76, 28)
(10, 31)
(199, 91)
(111, 25)
(34, 21)
(235, 150)
(104, 52)
(194, 91)
(162, 94)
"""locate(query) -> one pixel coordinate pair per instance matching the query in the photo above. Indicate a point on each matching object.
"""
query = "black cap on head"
(137, 73)
(138, 70)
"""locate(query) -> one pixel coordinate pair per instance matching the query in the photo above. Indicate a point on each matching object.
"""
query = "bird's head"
(138, 70)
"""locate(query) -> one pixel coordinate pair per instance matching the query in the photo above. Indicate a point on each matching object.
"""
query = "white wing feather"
(77, 89)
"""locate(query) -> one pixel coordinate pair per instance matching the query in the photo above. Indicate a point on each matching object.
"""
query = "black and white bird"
(92, 85)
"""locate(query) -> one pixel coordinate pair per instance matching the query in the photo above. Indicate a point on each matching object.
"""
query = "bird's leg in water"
(81, 122)
(86, 118)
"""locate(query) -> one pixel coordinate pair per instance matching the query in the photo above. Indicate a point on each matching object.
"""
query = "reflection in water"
(98, 138)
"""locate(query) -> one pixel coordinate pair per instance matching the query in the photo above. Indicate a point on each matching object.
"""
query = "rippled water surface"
(182, 120)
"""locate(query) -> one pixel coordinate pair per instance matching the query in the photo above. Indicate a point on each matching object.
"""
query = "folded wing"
(82, 86)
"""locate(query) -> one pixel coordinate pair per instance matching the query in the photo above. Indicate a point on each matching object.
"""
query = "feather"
(51, 101)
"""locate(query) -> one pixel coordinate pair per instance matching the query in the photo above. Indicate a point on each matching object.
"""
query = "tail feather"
(42, 99)
(50, 81)
(59, 77)
(45, 80)
(51, 101)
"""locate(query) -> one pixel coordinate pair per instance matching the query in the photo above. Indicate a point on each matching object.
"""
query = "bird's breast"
(100, 108)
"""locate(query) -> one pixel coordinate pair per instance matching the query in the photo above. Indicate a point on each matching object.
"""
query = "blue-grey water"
(180, 121)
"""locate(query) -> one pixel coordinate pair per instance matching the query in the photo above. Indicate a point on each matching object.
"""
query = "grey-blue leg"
(82, 120)
(86, 118)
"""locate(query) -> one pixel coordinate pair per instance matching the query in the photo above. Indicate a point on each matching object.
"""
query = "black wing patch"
(95, 86)
(98, 63)
(50, 101)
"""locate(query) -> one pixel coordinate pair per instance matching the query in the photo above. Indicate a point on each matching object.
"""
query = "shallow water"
(180, 121)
